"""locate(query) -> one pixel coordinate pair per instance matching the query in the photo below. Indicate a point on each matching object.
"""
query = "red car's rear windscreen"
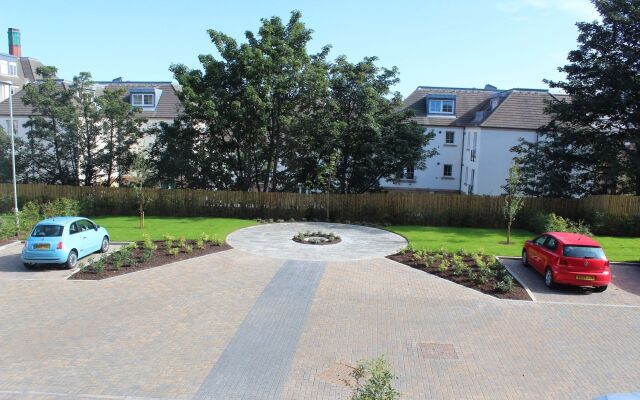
(583, 252)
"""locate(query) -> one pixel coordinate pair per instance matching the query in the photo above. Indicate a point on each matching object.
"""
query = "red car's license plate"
(585, 277)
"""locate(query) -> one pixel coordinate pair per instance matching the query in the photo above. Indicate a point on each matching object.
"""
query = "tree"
(142, 171)
(592, 144)
(273, 116)
(121, 128)
(513, 200)
(6, 172)
(375, 138)
(51, 140)
(88, 146)
(245, 105)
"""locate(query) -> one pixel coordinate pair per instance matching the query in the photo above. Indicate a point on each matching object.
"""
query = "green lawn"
(471, 239)
(127, 228)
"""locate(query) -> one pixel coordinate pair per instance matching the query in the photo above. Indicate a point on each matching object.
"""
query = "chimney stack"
(14, 42)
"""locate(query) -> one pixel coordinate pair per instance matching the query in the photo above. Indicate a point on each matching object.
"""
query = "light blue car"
(63, 240)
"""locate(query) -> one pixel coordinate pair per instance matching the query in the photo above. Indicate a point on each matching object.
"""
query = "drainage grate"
(338, 374)
(439, 351)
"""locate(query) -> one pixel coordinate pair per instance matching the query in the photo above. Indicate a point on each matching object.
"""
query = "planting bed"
(477, 271)
(158, 257)
(317, 238)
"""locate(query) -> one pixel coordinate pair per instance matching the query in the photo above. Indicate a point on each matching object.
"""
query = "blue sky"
(466, 43)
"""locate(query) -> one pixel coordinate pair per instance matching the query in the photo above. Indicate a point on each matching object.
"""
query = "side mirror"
(97, 227)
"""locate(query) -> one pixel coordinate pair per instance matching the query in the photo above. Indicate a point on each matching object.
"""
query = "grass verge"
(128, 228)
(490, 240)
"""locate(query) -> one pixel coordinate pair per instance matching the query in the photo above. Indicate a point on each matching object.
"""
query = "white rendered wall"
(432, 177)
(495, 158)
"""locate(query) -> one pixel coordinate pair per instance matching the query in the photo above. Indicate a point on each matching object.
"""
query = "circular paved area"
(275, 240)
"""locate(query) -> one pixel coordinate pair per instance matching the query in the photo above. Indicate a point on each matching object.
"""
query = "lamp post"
(13, 152)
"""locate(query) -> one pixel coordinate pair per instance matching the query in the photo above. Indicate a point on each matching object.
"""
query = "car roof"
(59, 220)
(574, 239)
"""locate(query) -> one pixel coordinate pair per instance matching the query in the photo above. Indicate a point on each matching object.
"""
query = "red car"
(569, 259)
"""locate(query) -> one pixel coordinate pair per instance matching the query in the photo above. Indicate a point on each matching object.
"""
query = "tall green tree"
(246, 103)
(51, 135)
(592, 144)
(375, 137)
(6, 172)
(88, 147)
(121, 127)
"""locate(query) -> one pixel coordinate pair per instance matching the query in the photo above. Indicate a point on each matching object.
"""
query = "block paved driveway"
(237, 325)
(11, 266)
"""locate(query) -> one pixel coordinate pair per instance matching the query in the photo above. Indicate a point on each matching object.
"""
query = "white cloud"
(582, 9)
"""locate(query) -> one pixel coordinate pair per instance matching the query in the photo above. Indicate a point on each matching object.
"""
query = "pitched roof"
(520, 110)
(468, 102)
(28, 67)
(168, 107)
(516, 109)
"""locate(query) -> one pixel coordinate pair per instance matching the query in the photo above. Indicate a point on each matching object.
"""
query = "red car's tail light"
(60, 245)
(606, 263)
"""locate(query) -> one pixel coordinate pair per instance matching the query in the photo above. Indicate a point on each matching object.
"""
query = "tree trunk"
(509, 232)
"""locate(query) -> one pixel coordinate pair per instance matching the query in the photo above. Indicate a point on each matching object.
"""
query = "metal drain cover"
(338, 374)
(438, 351)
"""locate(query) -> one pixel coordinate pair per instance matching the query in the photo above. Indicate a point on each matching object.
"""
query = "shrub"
(444, 265)
(146, 255)
(147, 243)
(182, 242)
(505, 285)
(458, 267)
(551, 222)
(188, 249)
(60, 207)
(99, 265)
(200, 244)
(168, 241)
(377, 385)
(174, 251)
(204, 237)
(217, 241)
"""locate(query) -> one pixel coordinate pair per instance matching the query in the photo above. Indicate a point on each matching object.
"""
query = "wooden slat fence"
(394, 207)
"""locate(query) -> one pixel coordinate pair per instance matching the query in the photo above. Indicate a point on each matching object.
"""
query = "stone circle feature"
(357, 242)
(317, 238)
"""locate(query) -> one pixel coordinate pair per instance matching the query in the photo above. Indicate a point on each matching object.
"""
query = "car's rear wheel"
(525, 258)
(548, 278)
(72, 260)
(105, 245)
(600, 289)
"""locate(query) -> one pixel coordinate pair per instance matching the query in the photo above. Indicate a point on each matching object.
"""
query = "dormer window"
(142, 99)
(444, 105)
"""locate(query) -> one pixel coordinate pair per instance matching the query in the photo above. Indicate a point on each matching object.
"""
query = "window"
(15, 126)
(450, 137)
(47, 231)
(85, 225)
(583, 252)
(441, 106)
(142, 99)
(466, 175)
(447, 170)
(13, 69)
(73, 229)
(551, 244)
(409, 173)
(540, 240)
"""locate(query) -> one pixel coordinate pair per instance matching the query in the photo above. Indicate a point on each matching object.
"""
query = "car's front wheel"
(105, 245)
(72, 260)
(525, 258)
(548, 278)
(600, 289)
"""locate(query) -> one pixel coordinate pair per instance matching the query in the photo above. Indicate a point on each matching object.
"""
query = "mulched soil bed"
(159, 257)
(518, 292)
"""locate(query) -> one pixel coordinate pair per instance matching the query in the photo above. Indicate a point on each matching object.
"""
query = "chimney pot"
(15, 49)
